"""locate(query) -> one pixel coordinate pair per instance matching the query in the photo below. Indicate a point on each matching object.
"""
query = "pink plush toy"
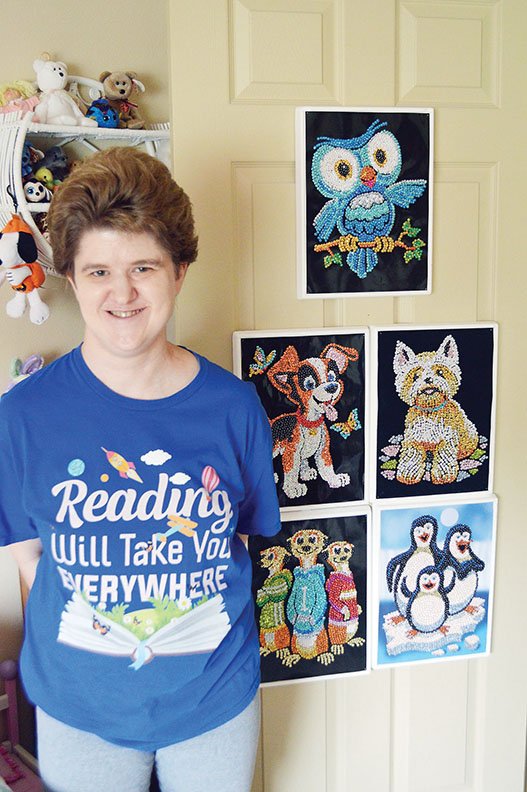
(19, 95)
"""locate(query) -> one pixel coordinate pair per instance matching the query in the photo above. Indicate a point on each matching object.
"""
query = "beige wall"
(89, 37)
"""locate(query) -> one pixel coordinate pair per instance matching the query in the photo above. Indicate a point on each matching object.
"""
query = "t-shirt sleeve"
(15, 525)
(259, 511)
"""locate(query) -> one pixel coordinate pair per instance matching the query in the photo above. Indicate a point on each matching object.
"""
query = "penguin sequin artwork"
(435, 572)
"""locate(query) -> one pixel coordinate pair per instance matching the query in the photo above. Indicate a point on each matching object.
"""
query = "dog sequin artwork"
(313, 387)
(435, 410)
(301, 439)
(435, 423)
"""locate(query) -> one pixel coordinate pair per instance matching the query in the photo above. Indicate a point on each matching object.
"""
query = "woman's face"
(126, 286)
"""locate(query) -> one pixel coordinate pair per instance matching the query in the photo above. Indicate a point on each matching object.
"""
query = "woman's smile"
(126, 314)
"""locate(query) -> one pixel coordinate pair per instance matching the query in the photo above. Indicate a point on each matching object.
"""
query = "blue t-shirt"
(140, 624)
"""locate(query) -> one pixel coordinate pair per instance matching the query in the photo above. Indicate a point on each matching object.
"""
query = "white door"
(238, 69)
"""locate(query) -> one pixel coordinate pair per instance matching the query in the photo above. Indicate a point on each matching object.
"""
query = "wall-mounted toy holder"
(17, 128)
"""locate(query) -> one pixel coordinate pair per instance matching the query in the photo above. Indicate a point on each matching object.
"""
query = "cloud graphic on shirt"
(157, 457)
(179, 478)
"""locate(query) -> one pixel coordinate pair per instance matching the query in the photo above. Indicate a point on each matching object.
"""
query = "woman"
(129, 468)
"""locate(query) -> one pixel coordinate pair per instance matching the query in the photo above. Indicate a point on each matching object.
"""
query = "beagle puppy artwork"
(301, 438)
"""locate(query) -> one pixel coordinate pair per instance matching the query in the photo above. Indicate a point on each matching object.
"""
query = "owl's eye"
(384, 152)
(339, 169)
(343, 169)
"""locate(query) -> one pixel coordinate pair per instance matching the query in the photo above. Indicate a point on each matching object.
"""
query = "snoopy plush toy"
(20, 268)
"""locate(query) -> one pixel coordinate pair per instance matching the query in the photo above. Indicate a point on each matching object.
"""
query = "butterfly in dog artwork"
(261, 361)
(345, 428)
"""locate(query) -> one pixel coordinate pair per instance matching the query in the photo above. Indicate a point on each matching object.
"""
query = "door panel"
(239, 68)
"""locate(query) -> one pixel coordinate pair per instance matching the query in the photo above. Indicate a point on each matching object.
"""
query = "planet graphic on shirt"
(76, 467)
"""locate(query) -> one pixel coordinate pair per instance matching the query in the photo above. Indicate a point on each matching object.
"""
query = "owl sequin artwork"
(360, 175)
(367, 182)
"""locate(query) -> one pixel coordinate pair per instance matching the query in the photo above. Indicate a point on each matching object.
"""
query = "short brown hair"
(126, 190)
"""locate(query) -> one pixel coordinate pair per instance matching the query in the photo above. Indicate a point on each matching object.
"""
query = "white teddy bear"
(56, 106)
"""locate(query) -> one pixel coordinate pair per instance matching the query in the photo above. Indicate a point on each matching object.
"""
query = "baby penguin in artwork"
(428, 605)
(460, 568)
(344, 609)
(274, 631)
(403, 569)
(435, 423)
(307, 603)
(313, 386)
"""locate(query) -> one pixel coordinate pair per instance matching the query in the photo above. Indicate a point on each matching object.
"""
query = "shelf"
(13, 133)
(132, 136)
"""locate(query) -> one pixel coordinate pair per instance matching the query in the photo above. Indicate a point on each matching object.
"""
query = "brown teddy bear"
(118, 87)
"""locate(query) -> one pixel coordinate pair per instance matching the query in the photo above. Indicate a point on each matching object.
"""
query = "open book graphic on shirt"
(200, 630)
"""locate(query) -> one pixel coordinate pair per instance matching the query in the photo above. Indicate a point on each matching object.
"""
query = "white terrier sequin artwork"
(436, 428)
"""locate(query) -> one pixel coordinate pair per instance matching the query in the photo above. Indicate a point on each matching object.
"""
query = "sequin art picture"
(364, 187)
(360, 177)
(310, 593)
(436, 581)
(435, 409)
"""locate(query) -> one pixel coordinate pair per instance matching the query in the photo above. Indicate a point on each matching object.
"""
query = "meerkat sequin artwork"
(309, 603)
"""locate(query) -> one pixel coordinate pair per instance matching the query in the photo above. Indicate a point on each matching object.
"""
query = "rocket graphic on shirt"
(126, 469)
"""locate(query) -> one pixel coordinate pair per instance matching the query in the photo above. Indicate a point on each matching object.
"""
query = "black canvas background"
(347, 455)
(348, 528)
(476, 350)
(412, 131)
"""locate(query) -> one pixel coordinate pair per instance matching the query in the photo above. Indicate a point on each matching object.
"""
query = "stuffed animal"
(56, 161)
(36, 191)
(21, 370)
(19, 266)
(105, 115)
(18, 96)
(30, 157)
(45, 176)
(56, 106)
(118, 87)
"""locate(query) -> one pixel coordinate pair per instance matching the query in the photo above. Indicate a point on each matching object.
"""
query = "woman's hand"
(27, 555)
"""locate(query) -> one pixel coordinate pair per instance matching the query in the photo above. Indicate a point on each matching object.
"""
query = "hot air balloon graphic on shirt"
(210, 480)
(126, 469)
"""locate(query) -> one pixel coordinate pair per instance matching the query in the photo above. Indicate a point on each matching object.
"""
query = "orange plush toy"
(19, 266)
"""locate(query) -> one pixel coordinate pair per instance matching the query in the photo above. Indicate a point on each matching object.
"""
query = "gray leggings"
(222, 759)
